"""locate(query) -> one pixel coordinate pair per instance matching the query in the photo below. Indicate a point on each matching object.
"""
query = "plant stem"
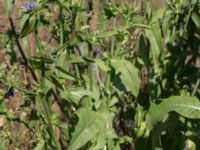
(77, 74)
(98, 77)
(61, 26)
(26, 61)
(48, 110)
(113, 39)
(196, 87)
(91, 73)
(108, 84)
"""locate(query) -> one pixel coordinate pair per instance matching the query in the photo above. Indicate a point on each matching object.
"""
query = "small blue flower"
(29, 6)
(10, 92)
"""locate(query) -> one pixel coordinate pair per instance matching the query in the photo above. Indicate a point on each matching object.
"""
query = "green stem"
(196, 87)
(98, 77)
(26, 61)
(48, 115)
(61, 25)
(47, 110)
(37, 39)
(113, 28)
(108, 83)
(113, 39)
(118, 48)
(78, 76)
(27, 64)
(91, 73)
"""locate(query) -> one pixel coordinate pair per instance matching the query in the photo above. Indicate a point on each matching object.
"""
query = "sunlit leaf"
(90, 123)
(196, 19)
(75, 95)
(107, 34)
(186, 106)
(101, 64)
(30, 25)
(128, 74)
(9, 4)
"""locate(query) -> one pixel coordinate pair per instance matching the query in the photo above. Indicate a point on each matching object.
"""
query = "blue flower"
(10, 92)
(29, 6)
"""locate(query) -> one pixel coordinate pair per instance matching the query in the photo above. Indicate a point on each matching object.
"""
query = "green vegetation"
(100, 75)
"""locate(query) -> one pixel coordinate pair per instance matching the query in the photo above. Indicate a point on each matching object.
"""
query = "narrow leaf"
(107, 34)
(29, 26)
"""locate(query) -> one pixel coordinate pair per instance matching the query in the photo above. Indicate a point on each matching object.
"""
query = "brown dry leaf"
(14, 101)
(58, 133)
(55, 108)
(3, 57)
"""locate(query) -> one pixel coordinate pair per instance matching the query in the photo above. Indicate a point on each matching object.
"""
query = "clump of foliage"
(104, 76)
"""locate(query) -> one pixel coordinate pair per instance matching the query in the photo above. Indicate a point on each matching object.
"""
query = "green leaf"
(166, 23)
(107, 34)
(9, 5)
(30, 25)
(40, 145)
(186, 106)
(139, 25)
(154, 46)
(89, 125)
(128, 75)
(75, 40)
(75, 95)
(155, 38)
(52, 78)
(65, 74)
(77, 59)
(157, 34)
(191, 145)
(196, 19)
(108, 133)
(101, 64)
